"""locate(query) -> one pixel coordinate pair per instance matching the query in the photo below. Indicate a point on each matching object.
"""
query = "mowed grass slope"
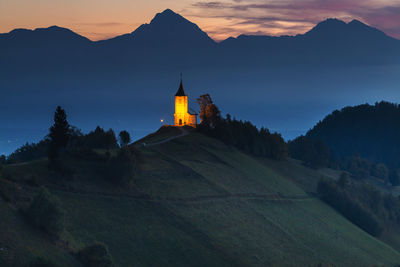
(198, 202)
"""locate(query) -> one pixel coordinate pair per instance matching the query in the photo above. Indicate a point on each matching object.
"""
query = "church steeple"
(180, 91)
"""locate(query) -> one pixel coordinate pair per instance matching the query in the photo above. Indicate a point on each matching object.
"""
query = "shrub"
(95, 255)
(29, 152)
(45, 213)
(349, 207)
(314, 154)
(98, 138)
(248, 138)
(120, 169)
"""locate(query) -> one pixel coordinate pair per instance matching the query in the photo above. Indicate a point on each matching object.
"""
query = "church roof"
(180, 91)
(192, 112)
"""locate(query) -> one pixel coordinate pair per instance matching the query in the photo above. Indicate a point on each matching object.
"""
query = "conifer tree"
(59, 133)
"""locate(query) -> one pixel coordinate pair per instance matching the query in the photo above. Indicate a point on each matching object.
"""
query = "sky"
(102, 19)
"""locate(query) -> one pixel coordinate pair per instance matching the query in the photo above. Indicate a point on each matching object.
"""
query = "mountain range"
(285, 83)
(169, 36)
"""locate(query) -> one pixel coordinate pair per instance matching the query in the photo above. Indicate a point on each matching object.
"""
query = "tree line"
(63, 137)
(317, 154)
(363, 140)
(240, 134)
(362, 204)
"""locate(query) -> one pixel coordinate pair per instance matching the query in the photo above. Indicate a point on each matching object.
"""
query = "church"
(183, 115)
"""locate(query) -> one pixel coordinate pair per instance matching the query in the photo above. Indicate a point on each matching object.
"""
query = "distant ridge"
(171, 40)
(168, 19)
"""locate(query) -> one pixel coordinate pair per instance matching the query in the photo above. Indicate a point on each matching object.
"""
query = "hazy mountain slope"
(330, 42)
(368, 130)
(197, 202)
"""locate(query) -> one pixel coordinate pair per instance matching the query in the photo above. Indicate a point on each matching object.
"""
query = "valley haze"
(286, 83)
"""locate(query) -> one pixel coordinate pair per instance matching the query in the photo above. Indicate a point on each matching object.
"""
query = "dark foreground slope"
(196, 202)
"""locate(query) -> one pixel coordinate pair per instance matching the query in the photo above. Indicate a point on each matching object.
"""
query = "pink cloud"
(262, 13)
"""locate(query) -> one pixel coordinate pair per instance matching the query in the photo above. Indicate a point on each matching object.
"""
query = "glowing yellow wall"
(181, 111)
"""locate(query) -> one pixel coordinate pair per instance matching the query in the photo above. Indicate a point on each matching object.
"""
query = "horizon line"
(214, 39)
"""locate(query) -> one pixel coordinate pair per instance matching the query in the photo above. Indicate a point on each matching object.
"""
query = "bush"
(45, 213)
(314, 154)
(349, 207)
(97, 139)
(29, 152)
(246, 137)
(95, 255)
(120, 169)
(42, 262)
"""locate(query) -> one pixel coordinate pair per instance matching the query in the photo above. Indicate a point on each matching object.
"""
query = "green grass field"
(207, 204)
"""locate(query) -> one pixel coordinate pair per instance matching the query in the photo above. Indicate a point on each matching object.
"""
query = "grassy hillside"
(195, 202)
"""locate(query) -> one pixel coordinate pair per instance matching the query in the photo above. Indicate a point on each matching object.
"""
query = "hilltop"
(195, 201)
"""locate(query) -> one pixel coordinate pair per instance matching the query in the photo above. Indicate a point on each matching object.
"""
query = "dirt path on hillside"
(184, 132)
(245, 196)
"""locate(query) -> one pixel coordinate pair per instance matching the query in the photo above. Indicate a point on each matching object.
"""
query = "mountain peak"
(330, 24)
(335, 29)
(168, 16)
(171, 28)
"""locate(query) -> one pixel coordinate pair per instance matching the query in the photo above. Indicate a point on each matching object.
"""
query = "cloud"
(296, 16)
(101, 24)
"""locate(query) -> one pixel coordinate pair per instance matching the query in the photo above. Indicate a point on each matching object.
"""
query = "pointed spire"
(180, 91)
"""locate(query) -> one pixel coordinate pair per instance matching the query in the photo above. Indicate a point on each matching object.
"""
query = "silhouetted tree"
(209, 112)
(3, 159)
(124, 138)
(314, 154)
(30, 152)
(59, 133)
(100, 139)
(204, 101)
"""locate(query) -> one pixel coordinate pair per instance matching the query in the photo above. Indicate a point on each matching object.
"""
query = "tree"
(204, 101)
(59, 133)
(124, 138)
(3, 159)
(209, 112)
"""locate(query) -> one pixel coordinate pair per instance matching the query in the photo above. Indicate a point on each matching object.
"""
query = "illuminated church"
(183, 115)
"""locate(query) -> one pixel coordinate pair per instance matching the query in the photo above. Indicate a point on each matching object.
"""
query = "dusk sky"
(102, 19)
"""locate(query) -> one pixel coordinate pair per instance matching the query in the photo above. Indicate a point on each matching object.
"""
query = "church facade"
(183, 115)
